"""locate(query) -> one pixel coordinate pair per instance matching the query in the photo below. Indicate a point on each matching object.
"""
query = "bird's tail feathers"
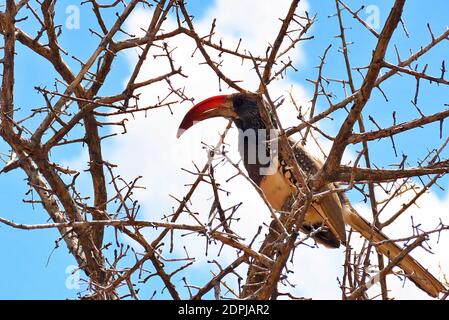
(412, 268)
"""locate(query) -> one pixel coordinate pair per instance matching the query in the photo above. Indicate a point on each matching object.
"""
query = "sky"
(36, 270)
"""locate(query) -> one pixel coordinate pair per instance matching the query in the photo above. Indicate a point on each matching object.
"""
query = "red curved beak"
(217, 106)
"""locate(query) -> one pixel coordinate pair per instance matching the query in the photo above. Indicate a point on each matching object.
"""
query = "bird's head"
(241, 108)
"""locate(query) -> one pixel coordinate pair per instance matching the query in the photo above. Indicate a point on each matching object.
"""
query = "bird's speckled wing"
(329, 207)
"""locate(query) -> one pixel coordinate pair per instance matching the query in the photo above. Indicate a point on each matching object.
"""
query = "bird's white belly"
(276, 189)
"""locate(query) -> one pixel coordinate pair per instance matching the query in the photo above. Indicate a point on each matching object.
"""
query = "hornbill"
(326, 218)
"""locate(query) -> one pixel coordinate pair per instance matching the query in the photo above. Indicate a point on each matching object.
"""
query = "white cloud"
(255, 21)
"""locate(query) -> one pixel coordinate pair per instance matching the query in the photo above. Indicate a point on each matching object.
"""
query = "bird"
(326, 217)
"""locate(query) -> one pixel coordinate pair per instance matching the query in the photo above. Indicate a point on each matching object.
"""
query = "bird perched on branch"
(326, 218)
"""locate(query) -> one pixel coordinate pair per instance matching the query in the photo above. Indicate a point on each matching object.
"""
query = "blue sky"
(33, 269)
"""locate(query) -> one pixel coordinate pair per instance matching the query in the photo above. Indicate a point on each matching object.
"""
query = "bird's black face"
(247, 111)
